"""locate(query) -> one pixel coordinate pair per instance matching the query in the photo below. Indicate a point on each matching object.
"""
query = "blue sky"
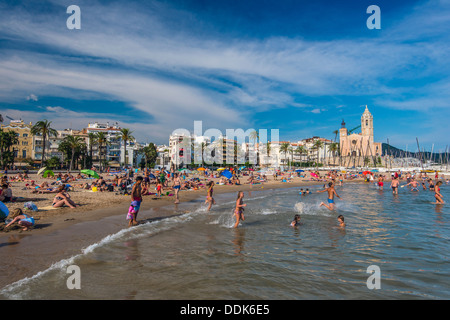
(297, 66)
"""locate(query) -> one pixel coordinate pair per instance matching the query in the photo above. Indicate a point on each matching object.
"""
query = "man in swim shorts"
(331, 193)
(394, 185)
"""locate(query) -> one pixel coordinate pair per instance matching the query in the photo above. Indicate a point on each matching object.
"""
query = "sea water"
(196, 254)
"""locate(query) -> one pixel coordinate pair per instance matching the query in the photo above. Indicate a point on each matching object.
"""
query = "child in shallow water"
(296, 221)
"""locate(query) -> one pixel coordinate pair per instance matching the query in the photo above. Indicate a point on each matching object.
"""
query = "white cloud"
(32, 97)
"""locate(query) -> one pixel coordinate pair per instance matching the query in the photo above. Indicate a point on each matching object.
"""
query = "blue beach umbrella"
(299, 170)
(227, 174)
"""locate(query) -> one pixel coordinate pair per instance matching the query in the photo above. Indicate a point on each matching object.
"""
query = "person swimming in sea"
(414, 184)
(341, 221)
(239, 209)
(296, 221)
(331, 193)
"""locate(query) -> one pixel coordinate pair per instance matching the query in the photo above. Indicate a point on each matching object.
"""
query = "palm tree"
(74, 142)
(125, 135)
(43, 128)
(102, 139)
(254, 135)
(92, 138)
(285, 148)
(334, 147)
(317, 145)
(336, 132)
(291, 151)
(300, 150)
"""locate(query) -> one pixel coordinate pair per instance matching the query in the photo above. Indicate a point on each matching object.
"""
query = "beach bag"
(30, 206)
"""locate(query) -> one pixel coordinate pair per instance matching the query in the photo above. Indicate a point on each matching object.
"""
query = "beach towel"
(30, 206)
(48, 208)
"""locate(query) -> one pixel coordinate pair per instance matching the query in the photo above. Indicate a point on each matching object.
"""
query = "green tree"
(334, 147)
(43, 128)
(75, 143)
(284, 147)
(102, 141)
(150, 154)
(317, 145)
(125, 135)
(53, 163)
(7, 140)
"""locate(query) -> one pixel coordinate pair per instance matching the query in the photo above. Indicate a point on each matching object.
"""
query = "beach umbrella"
(221, 169)
(299, 170)
(313, 174)
(152, 176)
(243, 167)
(90, 173)
(41, 170)
(48, 173)
(4, 211)
(227, 174)
(367, 172)
(201, 169)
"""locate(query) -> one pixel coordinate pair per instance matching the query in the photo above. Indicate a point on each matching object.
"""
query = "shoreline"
(65, 234)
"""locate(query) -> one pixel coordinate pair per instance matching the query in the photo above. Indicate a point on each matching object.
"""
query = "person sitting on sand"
(63, 198)
(24, 220)
(6, 194)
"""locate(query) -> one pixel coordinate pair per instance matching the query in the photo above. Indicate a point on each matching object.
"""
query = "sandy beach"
(97, 205)
(62, 233)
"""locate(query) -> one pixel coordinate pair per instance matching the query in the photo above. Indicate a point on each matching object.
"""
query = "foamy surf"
(18, 290)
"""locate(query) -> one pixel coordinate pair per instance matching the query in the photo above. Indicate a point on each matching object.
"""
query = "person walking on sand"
(239, 209)
(331, 193)
(209, 196)
(136, 199)
(176, 186)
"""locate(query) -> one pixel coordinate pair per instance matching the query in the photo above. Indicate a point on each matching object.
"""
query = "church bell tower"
(367, 124)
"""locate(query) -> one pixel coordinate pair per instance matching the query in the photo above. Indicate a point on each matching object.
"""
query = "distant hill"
(435, 157)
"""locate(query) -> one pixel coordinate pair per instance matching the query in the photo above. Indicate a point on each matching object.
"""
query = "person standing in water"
(209, 196)
(136, 199)
(239, 209)
(331, 193)
(437, 193)
(380, 182)
(394, 185)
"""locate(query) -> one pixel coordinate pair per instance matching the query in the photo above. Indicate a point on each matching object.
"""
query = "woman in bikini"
(239, 210)
(62, 198)
(209, 196)
(437, 193)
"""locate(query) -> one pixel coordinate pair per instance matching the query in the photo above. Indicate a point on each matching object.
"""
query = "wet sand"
(63, 233)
